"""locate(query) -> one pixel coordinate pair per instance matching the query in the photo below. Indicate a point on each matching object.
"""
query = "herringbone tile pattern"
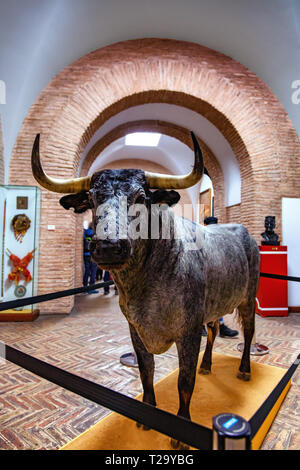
(35, 414)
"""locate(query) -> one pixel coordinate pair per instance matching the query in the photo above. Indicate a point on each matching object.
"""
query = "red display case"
(272, 294)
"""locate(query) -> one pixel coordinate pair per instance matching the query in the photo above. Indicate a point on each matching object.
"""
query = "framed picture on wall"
(205, 201)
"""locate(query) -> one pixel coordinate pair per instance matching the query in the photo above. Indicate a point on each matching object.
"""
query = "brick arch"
(172, 130)
(101, 84)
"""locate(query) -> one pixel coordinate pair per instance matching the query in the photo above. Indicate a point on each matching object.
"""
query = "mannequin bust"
(269, 236)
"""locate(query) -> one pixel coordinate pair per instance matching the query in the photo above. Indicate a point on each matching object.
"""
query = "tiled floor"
(35, 414)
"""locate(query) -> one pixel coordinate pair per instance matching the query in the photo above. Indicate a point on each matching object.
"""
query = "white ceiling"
(40, 38)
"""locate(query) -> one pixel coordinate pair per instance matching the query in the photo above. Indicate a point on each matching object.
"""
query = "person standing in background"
(90, 268)
(107, 277)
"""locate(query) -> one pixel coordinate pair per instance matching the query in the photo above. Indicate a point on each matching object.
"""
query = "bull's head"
(105, 188)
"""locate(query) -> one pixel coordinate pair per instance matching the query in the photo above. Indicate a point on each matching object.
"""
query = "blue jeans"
(90, 270)
(105, 279)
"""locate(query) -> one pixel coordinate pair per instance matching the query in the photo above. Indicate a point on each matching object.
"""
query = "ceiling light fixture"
(143, 139)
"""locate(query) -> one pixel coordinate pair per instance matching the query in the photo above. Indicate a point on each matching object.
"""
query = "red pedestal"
(272, 294)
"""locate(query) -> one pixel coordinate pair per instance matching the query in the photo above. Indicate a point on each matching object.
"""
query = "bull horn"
(75, 185)
(161, 181)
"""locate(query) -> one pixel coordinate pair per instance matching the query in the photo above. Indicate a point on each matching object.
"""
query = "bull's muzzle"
(110, 252)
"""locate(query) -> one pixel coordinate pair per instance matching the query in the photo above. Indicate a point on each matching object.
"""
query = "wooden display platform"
(219, 392)
(12, 315)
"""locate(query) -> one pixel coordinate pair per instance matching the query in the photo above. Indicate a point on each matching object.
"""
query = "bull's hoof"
(143, 427)
(246, 376)
(204, 371)
(179, 445)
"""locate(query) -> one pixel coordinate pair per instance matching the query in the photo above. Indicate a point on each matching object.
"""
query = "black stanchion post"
(231, 432)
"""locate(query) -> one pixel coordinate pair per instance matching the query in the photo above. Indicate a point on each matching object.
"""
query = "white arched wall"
(176, 156)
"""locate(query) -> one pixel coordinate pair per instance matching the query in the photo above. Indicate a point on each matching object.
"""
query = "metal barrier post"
(231, 432)
(256, 349)
(129, 360)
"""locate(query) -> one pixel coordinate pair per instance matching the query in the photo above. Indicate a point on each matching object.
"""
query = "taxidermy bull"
(167, 292)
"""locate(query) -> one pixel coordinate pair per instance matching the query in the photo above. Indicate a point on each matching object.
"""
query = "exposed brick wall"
(2, 176)
(101, 84)
(233, 214)
(57, 262)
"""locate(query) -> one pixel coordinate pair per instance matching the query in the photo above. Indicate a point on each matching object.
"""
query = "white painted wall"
(206, 183)
(291, 238)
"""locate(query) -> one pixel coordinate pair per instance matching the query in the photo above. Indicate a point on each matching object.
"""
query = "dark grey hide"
(168, 292)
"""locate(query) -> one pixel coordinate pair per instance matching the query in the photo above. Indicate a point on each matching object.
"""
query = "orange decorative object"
(20, 224)
(20, 267)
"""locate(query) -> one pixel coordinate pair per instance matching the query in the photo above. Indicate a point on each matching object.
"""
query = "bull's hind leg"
(146, 368)
(247, 316)
(212, 330)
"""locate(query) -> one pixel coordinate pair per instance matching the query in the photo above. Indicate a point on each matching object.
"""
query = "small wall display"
(20, 267)
(20, 291)
(22, 202)
(19, 222)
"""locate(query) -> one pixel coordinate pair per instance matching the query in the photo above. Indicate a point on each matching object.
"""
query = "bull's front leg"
(188, 347)
(146, 368)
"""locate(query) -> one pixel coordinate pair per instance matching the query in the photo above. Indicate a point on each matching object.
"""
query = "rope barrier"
(51, 296)
(259, 417)
(173, 426)
(79, 290)
(280, 276)
(162, 421)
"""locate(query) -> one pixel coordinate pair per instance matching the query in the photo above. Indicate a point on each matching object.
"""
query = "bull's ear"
(79, 201)
(161, 196)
